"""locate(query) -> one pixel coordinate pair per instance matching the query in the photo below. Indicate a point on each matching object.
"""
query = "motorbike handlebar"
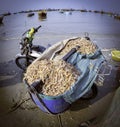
(72, 51)
(36, 29)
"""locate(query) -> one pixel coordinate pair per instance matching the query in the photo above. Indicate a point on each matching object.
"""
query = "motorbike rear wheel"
(23, 62)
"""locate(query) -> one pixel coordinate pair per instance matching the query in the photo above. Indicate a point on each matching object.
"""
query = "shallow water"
(103, 30)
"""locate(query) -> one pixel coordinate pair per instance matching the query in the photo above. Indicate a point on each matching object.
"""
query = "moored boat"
(30, 14)
(1, 19)
(42, 13)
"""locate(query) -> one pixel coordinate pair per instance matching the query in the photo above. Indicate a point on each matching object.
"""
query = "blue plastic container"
(48, 104)
(53, 105)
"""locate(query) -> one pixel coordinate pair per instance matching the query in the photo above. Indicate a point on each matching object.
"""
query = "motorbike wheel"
(23, 62)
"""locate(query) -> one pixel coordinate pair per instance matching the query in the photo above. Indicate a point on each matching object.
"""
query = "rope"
(16, 106)
(59, 119)
(7, 39)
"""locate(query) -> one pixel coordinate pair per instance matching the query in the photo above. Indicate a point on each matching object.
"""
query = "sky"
(20, 5)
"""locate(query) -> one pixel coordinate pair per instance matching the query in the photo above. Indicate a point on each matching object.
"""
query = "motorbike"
(28, 52)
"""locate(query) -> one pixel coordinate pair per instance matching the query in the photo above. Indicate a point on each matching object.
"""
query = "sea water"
(103, 30)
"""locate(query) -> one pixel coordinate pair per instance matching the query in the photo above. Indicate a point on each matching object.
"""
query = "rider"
(28, 37)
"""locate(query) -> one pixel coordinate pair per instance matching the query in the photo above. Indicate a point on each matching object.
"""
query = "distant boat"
(116, 16)
(42, 13)
(96, 11)
(68, 12)
(1, 19)
(61, 11)
(6, 14)
(83, 10)
(30, 14)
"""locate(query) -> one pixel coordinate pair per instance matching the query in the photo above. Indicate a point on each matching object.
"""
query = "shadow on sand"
(9, 69)
(111, 83)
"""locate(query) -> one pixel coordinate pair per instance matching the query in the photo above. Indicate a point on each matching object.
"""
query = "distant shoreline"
(81, 10)
(112, 14)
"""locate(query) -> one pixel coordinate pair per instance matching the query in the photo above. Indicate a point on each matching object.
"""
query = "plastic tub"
(53, 105)
(116, 55)
(48, 104)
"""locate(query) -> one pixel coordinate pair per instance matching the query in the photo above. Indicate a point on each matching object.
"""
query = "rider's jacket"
(30, 34)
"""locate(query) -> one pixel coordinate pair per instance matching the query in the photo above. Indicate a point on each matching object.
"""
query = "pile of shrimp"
(57, 76)
(86, 46)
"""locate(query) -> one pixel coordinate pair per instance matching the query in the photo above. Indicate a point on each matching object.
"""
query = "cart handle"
(107, 69)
